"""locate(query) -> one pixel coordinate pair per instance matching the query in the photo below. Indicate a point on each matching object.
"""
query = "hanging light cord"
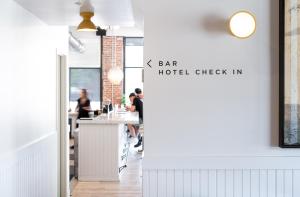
(113, 60)
(112, 65)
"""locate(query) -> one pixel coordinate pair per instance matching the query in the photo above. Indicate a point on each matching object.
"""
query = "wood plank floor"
(129, 186)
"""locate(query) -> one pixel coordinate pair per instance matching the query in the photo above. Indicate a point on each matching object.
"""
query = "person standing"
(83, 104)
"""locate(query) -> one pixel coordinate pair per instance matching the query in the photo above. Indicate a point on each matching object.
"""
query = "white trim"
(222, 162)
(58, 121)
(63, 137)
(12, 153)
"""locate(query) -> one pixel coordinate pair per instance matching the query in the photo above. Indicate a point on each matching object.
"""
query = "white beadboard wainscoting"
(31, 171)
(240, 180)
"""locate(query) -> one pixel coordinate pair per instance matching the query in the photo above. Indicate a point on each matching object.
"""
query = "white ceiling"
(124, 13)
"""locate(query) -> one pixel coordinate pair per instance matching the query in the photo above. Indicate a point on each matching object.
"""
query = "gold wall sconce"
(242, 24)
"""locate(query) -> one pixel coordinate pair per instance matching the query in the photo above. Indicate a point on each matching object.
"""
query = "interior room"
(91, 59)
(160, 98)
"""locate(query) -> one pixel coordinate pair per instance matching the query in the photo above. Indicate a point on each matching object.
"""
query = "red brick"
(107, 64)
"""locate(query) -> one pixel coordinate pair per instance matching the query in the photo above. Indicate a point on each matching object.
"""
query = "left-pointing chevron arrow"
(148, 63)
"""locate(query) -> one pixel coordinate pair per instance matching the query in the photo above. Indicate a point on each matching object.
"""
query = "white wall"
(129, 31)
(91, 56)
(28, 84)
(28, 70)
(216, 122)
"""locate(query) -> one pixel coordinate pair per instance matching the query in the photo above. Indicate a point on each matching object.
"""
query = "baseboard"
(30, 171)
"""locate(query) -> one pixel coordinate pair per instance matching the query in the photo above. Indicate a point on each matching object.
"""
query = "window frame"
(100, 80)
(124, 61)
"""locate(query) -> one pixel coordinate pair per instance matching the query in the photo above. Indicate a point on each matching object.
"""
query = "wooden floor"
(129, 186)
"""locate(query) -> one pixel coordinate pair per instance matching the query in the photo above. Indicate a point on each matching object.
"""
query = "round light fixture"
(86, 24)
(115, 75)
(242, 24)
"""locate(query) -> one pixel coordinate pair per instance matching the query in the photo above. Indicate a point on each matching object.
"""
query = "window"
(134, 69)
(85, 78)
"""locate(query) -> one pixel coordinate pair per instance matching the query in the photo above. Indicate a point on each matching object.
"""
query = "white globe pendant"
(115, 75)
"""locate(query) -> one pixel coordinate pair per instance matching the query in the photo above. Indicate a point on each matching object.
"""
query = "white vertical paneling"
(238, 183)
(30, 171)
(229, 183)
(280, 183)
(296, 181)
(288, 183)
(179, 184)
(271, 183)
(146, 183)
(254, 184)
(212, 186)
(204, 179)
(170, 183)
(263, 183)
(195, 183)
(221, 183)
(246, 181)
(153, 183)
(106, 143)
(162, 183)
(187, 183)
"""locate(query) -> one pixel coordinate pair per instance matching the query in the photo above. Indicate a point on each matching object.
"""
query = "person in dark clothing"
(83, 105)
(136, 106)
(139, 93)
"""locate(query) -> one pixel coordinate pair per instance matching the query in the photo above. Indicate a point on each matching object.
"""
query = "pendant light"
(86, 12)
(115, 74)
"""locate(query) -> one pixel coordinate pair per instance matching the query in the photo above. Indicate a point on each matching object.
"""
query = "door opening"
(105, 121)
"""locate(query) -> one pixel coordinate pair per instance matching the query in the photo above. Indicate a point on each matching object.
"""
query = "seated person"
(139, 93)
(136, 106)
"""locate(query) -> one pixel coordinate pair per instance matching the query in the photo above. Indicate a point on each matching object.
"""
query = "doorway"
(129, 57)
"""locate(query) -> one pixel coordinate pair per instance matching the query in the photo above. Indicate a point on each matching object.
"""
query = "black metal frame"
(124, 59)
(101, 69)
(281, 75)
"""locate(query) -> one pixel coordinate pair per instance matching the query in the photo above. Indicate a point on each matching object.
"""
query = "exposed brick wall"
(107, 64)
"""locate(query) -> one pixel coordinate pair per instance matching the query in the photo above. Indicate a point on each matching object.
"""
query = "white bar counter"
(113, 118)
(102, 146)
